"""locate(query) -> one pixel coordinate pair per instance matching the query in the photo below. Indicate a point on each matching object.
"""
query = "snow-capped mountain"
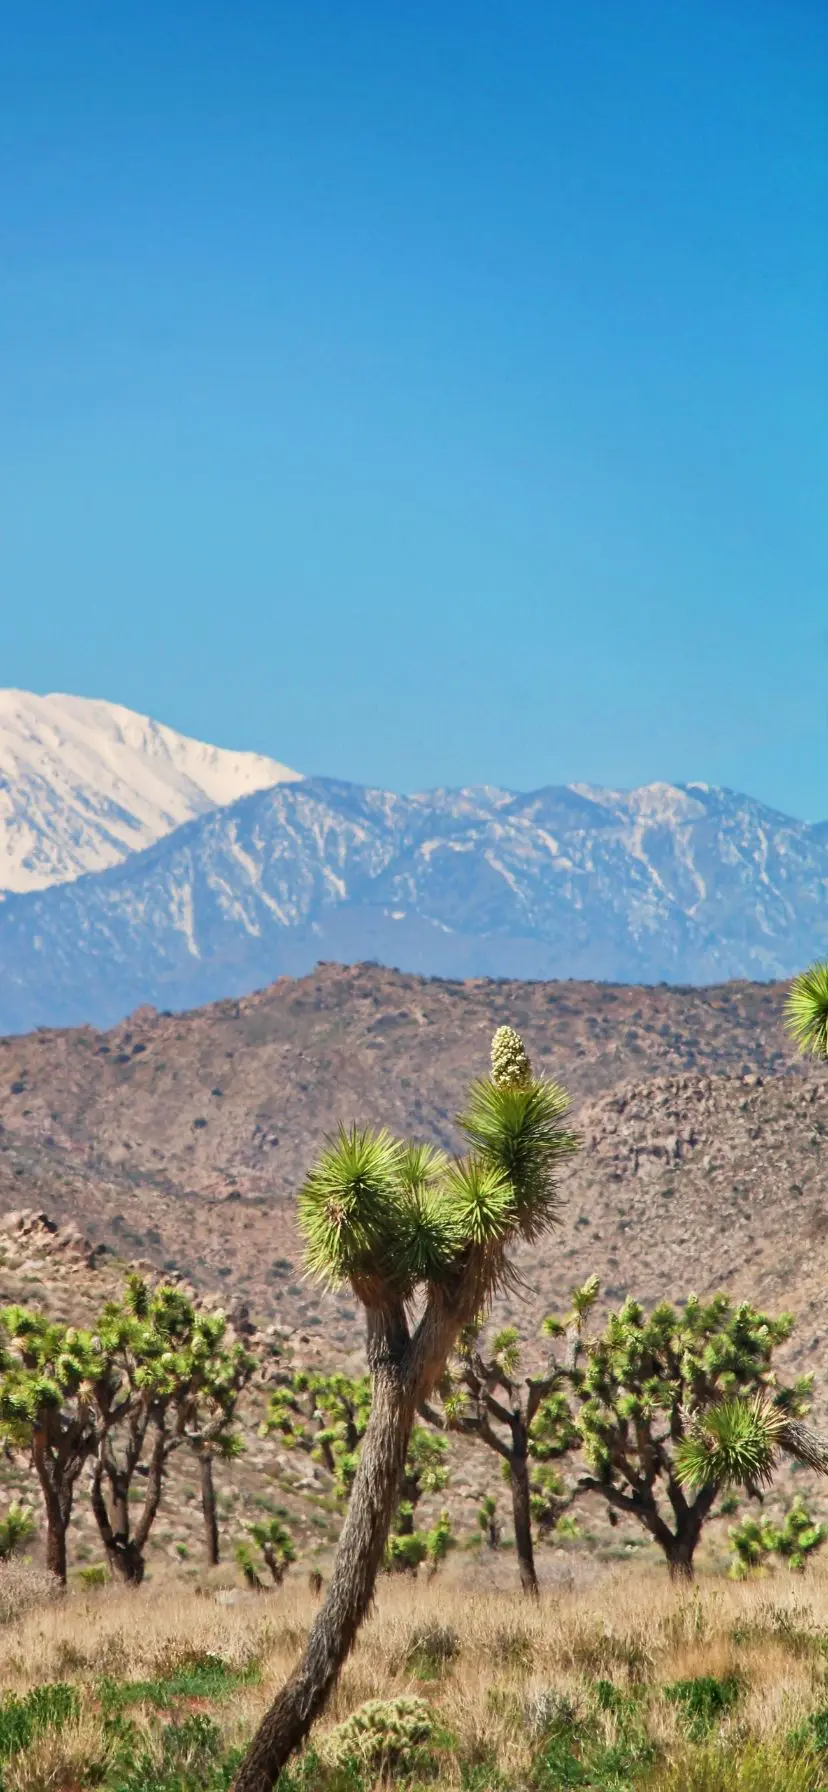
(83, 783)
(686, 884)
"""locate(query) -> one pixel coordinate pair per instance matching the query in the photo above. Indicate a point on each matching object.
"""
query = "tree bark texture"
(403, 1372)
(522, 1519)
(208, 1507)
(124, 1548)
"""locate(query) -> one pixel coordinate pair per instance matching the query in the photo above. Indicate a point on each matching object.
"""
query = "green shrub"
(44, 1708)
(704, 1700)
(16, 1530)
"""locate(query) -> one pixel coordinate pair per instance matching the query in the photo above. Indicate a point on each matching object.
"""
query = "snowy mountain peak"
(83, 783)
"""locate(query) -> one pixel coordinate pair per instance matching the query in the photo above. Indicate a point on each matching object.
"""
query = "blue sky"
(422, 393)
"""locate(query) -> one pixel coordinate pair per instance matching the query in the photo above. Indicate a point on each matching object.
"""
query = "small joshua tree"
(795, 1540)
(488, 1522)
(486, 1397)
(324, 1415)
(273, 1539)
(17, 1528)
(424, 1243)
(47, 1372)
(170, 1381)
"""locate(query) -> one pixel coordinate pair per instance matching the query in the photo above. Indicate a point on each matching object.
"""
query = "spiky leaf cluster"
(392, 1218)
(732, 1444)
(648, 1371)
(45, 1368)
(807, 1010)
(17, 1528)
(794, 1541)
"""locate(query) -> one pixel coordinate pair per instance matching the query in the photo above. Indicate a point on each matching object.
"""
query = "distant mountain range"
(684, 884)
(83, 783)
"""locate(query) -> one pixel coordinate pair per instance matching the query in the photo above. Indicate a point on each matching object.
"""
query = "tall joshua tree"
(424, 1243)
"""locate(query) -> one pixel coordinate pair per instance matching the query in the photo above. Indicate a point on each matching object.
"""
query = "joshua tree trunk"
(403, 1372)
(208, 1507)
(57, 1484)
(125, 1552)
(522, 1517)
(680, 1558)
(56, 1528)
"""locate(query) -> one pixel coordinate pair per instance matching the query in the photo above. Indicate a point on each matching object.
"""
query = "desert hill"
(182, 1139)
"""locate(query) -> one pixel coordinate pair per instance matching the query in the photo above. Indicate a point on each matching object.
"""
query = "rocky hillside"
(685, 884)
(183, 1139)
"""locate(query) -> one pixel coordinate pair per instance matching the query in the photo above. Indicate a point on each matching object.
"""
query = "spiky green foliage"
(670, 1406)
(172, 1377)
(325, 1416)
(393, 1218)
(806, 1010)
(519, 1132)
(349, 1206)
(524, 1420)
(274, 1547)
(731, 1445)
(17, 1528)
(794, 1541)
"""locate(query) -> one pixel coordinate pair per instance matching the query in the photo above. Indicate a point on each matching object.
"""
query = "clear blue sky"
(421, 392)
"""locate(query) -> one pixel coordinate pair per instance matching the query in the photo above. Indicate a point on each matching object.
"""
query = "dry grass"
(492, 1666)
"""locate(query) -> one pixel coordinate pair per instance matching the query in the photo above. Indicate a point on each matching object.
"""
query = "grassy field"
(622, 1683)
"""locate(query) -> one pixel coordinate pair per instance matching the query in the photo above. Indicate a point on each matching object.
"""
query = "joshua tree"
(486, 1397)
(423, 1243)
(651, 1393)
(170, 1381)
(274, 1541)
(425, 1471)
(324, 1415)
(488, 1522)
(795, 1540)
(46, 1409)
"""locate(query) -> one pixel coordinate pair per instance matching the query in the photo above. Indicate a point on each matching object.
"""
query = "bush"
(385, 1735)
(704, 1700)
(429, 1648)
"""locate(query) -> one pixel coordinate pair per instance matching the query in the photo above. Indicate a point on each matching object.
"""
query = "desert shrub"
(704, 1700)
(96, 1575)
(742, 1767)
(16, 1530)
(22, 1587)
(45, 1707)
(187, 1756)
(429, 1648)
(384, 1735)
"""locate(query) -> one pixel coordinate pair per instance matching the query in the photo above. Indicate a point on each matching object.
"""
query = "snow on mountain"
(682, 884)
(83, 783)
